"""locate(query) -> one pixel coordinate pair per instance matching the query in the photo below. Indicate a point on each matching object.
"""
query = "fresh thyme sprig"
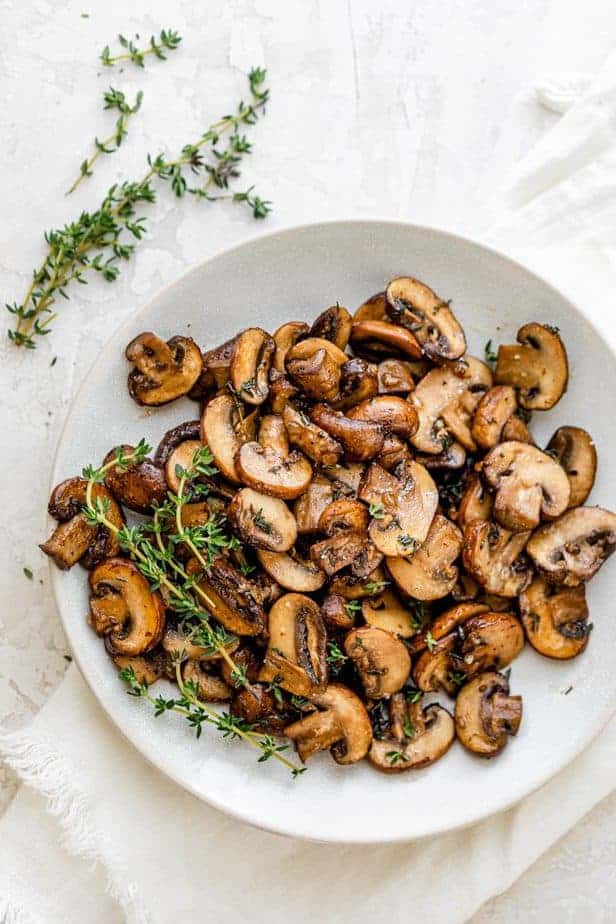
(168, 40)
(97, 241)
(113, 99)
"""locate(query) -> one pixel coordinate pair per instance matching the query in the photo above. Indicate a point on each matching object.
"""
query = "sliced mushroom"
(486, 714)
(493, 556)
(360, 439)
(385, 611)
(343, 514)
(333, 324)
(311, 439)
(381, 337)
(417, 308)
(555, 619)
(314, 365)
(292, 572)
(215, 372)
(164, 371)
(435, 667)
(137, 485)
(406, 502)
(222, 431)
(573, 548)
(491, 641)
(342, 725)
(395, 377)
(417, 736)
(358, 382)
(296, 653)
(250, 364)
(336, 613)
(259, 707)
(74, 539)
(262, 521)
(446, 623)
(267, 470)
(381, 660)
(516, 429)
(188, 430)
(345, 478)
(529, 485)
(367, 561)
(430, 574)
(394, 451)
(286, 337)
(451, 458)
(147, 668)
(352, 587)
(445, 400)
(537, 366)
(233, 598)
(476, 503)
(493, 412)
(178, 645)
(180, 460)
(338, 552)
(281, 392)
(210, 688)
(309, 507)
(245, 662)
(123, 608)
(394, 414)
(574, 449)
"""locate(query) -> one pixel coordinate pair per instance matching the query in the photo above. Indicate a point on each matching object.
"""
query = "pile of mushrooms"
(405, 533)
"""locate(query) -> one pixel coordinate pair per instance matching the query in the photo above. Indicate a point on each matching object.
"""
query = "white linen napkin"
(95, 834)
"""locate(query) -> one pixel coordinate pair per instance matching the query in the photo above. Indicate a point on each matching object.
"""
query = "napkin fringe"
(42, 768)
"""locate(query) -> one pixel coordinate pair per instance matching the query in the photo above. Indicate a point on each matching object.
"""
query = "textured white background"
(414, 110)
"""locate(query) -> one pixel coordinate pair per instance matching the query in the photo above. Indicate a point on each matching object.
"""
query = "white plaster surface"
(406, 109)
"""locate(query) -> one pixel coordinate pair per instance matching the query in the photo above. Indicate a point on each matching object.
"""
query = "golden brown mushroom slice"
(269, 467)
(224, 432)
(215, 372)
(341, 726)
(493, 412)
(343, 514)
(336, 612)
(253, 352)
(446, 623)
(445, 400)
(386, 611)
(338, 551)
(180, 460)
(373, 309)
(313, 441)
(435, 668)
(402, 506)
(137, 485)
(414, 306)
(529, 485)
(382, 338)
(285, 337)
(574, 449)
(476, 503)
(395, 377)
(209, 687)
(381, 660)
(417, 736)
(296, 656)
(358, 382)
(430, 574)
(308, 508)
(262, 521)
(163, 371)
(234, 599)
(74, 539)
(451, 458)
(291, 571)
(571, 550)
(494, 557)
(537, 366)
(394, 414)
(333, 324)
(187, 430)
(555, 619)
(124, 608)
(314, 366)
(281, 392)
(491, 641)
(486, 714)
(179, 645)
(361, 440)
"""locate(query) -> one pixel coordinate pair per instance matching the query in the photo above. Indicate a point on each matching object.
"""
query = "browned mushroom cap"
(394, 414)
(451, 458)
(233, 598)
(404, 504)
(296, 652)
(384, 338)
(575, 450)
(224, 432)
(555, 619)
(394, 451)
(491, 641)
(339, 551)
(271, 472)
(281, 392)
(352, 587)
(381, 660)
(445, 401)
(486, 714)
(493, 412)
(308, 508)
(123, 608)
(476, 503)
(180, 459)
(262, 521)
(291, 571)
(336, 613)
(418, 736)
(394, 377)
(245, 663)
(258, 706)
(209, 687)
(345, 478)
(493, 556)
(386, 611)
(333, 324)
(446, 623)
(529, 485)
(516, 429)
(573, 548)
(286, 337)
(430, 574)
(342, 726)
(178, 645)
(75, 539)
(136, 485)
(342, 515)
(215, 372)
(373, 309)
(164, 371)
(250, 365)
(188, 430)
(314, 365)
(360, 439)
(537, 367)
(435, 667)
(358, 382)
(311, 439)
(417, 308)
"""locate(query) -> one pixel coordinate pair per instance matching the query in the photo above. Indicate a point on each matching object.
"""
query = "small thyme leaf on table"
(168, 40)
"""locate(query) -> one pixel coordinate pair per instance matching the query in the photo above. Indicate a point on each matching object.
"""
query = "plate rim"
(185, 784)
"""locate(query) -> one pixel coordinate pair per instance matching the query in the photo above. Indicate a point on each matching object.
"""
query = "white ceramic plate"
(295, 274)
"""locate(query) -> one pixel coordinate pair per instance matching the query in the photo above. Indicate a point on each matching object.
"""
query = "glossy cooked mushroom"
(215, 372)
(269, 467)
(308, 508)
(381, 660)
(493, 412)
(336, 613)
(285, 337)
(529, 485)
(386, 611)
(188, 430)
(341, 726)
(291, 571)
(430, 573)
(252, 356)
(382, 337)
(572, 549)
(262, 521)
(163, 371)
(395, 377)
(536, 366)
(209, 687)
(475, 504)
(136, 485)
(404, 504)
(314, 366)
(333, 324)
(417, 736)
(574, 449)
(361, 440)
(296, 652)
(358, 382)
(491, 641)
(555, 619)
(394, 414)
(223, 430)
(417, 308)
(232, 598)
(124, 609)
(435, 668)
(179, 461)
(313, 441)
(494, 557)
(75, 539)
(486, 714)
